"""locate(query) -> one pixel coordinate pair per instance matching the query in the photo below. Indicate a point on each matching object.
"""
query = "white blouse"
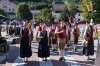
(23, 29)
(40, 32)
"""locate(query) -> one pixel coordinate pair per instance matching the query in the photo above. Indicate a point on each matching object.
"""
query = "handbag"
(18, 40)
(85, 43)
(38, 39)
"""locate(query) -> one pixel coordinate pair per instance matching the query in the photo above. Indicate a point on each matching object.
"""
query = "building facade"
(58, 8)
(78, 16)
(35, 13)
(9, 7)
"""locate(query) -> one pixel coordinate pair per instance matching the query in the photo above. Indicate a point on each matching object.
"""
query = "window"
(9, 9)
(78, 14)
(76, 6)
(4, 3)
(78, 19)
(13, 9)
(58, 11)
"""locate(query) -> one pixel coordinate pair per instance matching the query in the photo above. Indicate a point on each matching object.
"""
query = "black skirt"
(25, 49)
(89, 50)
(43, 49)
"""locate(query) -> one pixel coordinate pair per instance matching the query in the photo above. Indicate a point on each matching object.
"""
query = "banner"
(89, 6)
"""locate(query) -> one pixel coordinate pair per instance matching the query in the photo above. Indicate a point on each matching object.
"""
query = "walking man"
(61, 32)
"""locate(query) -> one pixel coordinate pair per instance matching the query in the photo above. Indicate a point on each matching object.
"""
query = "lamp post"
(91, 23)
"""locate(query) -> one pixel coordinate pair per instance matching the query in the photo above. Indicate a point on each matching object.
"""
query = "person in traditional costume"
(17, 30)
(20, 25)
(0, 31)
(89, 49)
(11, 29)
(14, 28)
(53, 37)
(7, 28)
(76, 36)
(43, 48)
(40, 26)
(31, 30)
(25, 46)
(69, 32)
(67, 40)
(61, 32)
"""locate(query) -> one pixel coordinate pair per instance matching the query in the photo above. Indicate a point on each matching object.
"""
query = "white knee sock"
(60, 52)
(53, 46)
(76, 46)
(63, 52)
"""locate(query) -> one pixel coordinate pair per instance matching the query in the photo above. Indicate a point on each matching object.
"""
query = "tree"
(38, 5)
(23, 11)
(96, 15)
(45, 15)
(64, 14)
(71, 8)
(86, 14)
(2, 13)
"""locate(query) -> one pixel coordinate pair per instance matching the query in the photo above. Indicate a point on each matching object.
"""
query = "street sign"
(94, 11)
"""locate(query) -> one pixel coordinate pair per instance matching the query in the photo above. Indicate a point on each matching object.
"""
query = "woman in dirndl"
(89, 49)
(25, 46)
(31, 32)
(43, 48)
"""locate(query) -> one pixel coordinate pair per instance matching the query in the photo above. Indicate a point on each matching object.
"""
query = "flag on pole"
(89, 6)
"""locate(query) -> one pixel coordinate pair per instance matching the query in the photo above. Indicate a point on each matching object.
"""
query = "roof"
(58, 7)
(11, 13)
(78, 8)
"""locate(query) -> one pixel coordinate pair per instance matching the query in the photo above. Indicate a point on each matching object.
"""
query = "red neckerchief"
(24, 33)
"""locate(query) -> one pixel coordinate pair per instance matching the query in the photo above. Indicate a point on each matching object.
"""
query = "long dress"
(89, 50)
(43, 49)
(25, 49)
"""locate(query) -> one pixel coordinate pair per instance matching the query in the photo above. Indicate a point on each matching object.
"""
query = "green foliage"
(2, 12)
(38, 5)
(73, 1)
(96, 15)
(86, 14)
(64, 14)
(23, 11)
(71, 8)
(45, 15)
(48, 1)
(89, 15)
